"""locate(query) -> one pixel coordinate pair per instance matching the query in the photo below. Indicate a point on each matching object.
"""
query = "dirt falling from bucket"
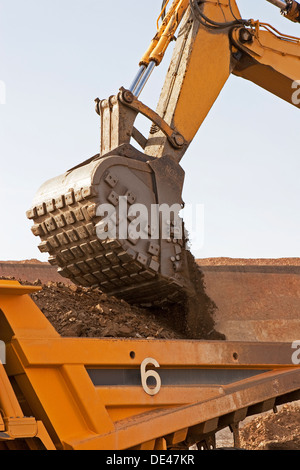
(193, 316)
(199, 308)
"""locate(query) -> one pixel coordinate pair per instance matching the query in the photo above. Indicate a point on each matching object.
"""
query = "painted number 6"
(145, 374)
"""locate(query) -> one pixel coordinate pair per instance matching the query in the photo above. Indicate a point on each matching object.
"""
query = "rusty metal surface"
(30, 272)
(255, 303)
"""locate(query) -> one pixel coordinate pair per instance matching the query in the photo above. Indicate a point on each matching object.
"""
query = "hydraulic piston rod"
(290, 9)
(144, 78)
(137, 78)
(283, 4)
(141, 78)
(159, 43)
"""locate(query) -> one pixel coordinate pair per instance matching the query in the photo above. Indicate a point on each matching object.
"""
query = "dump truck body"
(87, 393)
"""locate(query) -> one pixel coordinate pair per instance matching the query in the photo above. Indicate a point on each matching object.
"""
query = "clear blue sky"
(57, 56)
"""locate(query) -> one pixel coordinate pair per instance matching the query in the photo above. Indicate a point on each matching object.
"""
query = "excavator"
(113, 222)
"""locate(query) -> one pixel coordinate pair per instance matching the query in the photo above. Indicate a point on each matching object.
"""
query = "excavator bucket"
(113, 221)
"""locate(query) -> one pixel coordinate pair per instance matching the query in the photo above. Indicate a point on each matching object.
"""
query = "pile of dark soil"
(88, 312)
(273, 431)
(80, 311)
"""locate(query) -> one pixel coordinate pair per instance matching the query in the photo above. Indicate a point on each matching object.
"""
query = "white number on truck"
(154, 388)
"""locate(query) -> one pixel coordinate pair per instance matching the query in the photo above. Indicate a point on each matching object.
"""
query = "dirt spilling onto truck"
(88, 312)
(199, 308)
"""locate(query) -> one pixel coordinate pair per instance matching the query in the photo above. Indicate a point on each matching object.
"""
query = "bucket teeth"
(134, 268)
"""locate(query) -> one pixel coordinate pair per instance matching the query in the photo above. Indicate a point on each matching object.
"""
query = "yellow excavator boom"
(205, 56)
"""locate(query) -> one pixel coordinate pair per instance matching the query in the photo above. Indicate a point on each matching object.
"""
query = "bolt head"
(245, 36)
(178, 139)
(128, 96)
